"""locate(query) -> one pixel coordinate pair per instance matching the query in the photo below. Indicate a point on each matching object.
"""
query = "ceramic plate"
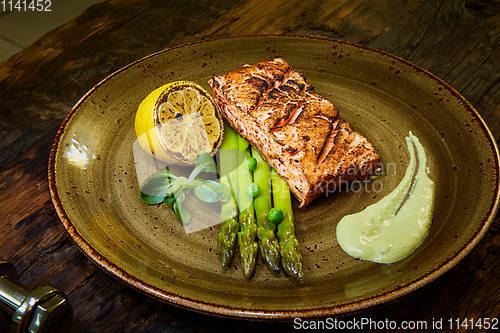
(95, 188)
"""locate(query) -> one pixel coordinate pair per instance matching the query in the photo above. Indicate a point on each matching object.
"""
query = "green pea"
(251, 164)
(275, 215)
(254, 190)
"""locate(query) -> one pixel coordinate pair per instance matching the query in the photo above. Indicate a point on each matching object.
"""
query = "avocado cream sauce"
(394, 227)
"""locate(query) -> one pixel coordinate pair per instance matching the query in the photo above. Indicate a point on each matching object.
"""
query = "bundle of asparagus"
(250, 178)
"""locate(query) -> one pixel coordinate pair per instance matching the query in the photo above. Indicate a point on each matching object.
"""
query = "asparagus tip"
(225, 258)
(270, 253)
(248, 264)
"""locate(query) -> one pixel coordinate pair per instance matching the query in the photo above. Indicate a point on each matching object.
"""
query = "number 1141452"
(26, 5)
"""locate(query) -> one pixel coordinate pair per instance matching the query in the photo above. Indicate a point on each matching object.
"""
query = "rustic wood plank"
(458, 40)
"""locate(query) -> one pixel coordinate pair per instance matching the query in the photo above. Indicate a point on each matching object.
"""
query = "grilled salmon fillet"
(298, 131)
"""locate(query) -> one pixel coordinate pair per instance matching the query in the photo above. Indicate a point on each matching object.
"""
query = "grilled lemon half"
(177, 122)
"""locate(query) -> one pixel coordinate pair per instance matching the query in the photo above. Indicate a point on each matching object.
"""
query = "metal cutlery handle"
(44, 309)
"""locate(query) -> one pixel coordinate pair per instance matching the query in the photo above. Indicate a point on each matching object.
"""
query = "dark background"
(457, 40)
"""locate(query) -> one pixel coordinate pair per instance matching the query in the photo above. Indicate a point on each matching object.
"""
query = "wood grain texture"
(457, 40)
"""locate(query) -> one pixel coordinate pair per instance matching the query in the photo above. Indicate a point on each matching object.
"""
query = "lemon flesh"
(177, 122)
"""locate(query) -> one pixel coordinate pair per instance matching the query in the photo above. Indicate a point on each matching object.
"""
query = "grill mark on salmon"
(301, 86)
(293, 112)
(323, 151)
(297, 130)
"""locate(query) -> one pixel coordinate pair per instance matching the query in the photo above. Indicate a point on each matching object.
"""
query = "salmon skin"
(298, 131)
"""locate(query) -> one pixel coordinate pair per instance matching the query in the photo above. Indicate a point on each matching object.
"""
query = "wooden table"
(457, 40)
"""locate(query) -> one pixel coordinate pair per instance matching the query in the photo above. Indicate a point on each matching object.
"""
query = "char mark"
(257, 101)
(307, 179)
(336, 138)
(320, 157)
(277, 123)
(274, 93)
(301, 86)
(279, 77)
(337, 125)
(258, 82)
(293, 111)
(324, 115)
(287, 89)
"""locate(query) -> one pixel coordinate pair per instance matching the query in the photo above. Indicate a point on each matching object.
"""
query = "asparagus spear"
(291, 260)
(268, 244)
(246, 237)
(229, 210)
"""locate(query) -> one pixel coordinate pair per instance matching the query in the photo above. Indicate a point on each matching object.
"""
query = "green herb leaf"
(180, 197)
(185, 215)
(152, 199)
(158, 186)
(211, 191)
(204, 163)
(155, 188)
(179, 209)
(169, 188)
(169, 200)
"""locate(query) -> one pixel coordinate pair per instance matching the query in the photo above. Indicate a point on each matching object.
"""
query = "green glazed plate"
(94, 186)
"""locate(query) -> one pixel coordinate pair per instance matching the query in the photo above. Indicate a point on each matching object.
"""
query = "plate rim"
(242, 313)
